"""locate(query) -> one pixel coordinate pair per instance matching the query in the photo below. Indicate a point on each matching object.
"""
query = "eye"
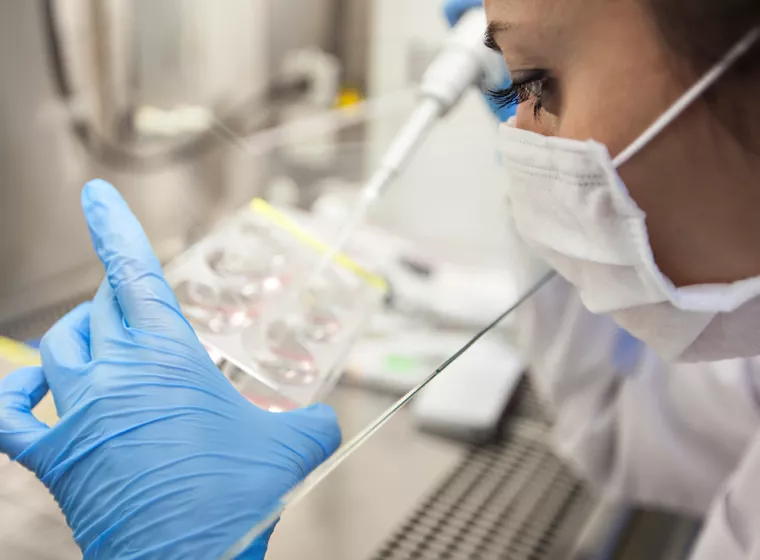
(531, 85)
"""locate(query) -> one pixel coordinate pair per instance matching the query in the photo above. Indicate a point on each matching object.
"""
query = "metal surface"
(511, 499)
(353, 511)
(45, 250)
(506, 501)
(31, 525)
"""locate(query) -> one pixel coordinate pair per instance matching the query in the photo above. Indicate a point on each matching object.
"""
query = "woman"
(156, 455)
(664, 238)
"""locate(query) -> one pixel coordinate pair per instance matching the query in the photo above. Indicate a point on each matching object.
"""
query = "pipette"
(464, 61)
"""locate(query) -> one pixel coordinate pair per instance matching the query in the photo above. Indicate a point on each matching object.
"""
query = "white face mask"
(571, 206)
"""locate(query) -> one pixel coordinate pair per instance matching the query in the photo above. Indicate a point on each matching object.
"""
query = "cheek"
(613, 101)
(596, 109)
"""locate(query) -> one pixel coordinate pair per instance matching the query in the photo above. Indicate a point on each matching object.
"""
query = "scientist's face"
(600, 69)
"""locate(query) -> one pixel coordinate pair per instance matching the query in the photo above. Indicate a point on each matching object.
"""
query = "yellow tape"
(18, 353)
(348, 98)
(23, 355)
(262, 207)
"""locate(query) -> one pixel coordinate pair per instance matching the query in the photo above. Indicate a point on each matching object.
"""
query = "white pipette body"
(464, 62)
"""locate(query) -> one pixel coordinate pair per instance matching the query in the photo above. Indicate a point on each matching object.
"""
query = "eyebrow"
(491, 31)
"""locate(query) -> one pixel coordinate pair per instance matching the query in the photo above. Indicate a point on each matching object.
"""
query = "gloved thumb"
(320, 434)
(20, 392)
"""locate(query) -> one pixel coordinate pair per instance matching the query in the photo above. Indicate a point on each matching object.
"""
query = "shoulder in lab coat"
(682, 436)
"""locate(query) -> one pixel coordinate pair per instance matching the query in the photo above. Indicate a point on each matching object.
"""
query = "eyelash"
(531, 87)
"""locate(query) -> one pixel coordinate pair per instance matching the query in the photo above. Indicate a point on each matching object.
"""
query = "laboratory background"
(243, 134)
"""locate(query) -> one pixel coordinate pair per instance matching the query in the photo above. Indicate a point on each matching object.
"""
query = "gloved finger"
(320, 433)
(65, 350)
(144, 296)
(68, 341)
(20, 392)
(455, 9)
(106, 321)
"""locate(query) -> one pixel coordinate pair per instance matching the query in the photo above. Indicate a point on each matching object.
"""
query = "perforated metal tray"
(510, 499)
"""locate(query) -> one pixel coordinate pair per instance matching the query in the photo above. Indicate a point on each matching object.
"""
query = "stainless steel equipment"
(147, 95)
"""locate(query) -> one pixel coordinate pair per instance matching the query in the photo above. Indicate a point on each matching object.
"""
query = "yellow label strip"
(263, 208)
(18, 353)
(22, 355)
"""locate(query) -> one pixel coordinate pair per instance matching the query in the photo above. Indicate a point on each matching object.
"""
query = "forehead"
(538, 11)
(569, 17)
(558, 31)
(520, 25)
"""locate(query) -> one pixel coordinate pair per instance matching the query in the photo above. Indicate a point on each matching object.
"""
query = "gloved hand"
(454, 10)
(156, 454)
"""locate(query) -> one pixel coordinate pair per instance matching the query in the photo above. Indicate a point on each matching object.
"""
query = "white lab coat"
(684, 436)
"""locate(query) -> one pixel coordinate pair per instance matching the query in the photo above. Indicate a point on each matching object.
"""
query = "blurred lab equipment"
(424, 278)
(148, 95)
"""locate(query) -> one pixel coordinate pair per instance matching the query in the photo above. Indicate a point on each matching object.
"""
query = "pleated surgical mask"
(571, 206)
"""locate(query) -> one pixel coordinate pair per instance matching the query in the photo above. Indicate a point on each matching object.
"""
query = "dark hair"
(702, 31)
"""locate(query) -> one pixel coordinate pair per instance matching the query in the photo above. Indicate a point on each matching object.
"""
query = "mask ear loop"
(691, 95)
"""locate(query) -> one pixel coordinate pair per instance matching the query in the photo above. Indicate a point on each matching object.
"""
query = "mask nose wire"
(691, 95)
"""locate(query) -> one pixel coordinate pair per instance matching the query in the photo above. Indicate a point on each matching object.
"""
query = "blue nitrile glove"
(156, 455)
(455, 9)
